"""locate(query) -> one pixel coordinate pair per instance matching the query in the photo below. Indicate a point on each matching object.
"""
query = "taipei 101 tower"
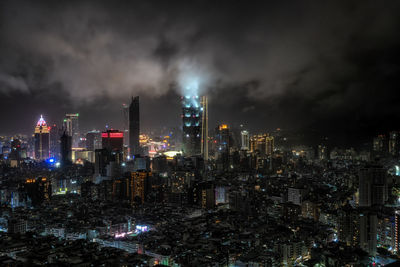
(194, 124)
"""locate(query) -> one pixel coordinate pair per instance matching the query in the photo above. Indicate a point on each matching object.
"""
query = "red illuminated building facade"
(112, 140)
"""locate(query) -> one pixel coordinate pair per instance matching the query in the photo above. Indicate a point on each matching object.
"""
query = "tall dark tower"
(65, 149)
(192, 125)
(134, 126)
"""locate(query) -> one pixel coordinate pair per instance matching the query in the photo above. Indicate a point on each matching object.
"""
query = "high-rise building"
(112, 140)
(204, 127)
(373, 187)
(71, 125)
(15, 153)
(262, 143)
(348, 221)
(192, 128)
(245, 140)
(223, 138)
(139, 186)
(223, 144)
(102, 159)
(368, 232)
(134, 127)
(93, 140)
(65, 149)
(394, 143)
(54, 141)
(42, 140)
(269, 141)
(125, 113)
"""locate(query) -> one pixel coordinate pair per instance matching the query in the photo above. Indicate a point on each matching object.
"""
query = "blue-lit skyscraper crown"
(191, 120)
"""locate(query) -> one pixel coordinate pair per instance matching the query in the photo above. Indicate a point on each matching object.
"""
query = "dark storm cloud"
(265, 64)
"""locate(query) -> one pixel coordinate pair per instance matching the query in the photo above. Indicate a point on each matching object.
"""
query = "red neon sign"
(112, 135)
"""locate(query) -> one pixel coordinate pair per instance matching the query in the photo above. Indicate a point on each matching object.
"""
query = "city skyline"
(199, 133)
(322, 84)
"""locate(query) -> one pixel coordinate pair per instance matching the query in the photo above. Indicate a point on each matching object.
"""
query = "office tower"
(112, 140)
(134, 127)
(42, 140)
(245, 140)
(204, 127)
(93, 140)
(65, 149)
(394, 143)
(191, 119)
(368, 232)
(373, 188)
(71, 125)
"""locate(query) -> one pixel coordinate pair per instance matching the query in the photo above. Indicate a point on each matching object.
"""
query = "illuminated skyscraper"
(192, 125)
(222, 138)
(245, 144)
(134, 126)
(42, 140)
(262, 143)
(71, 125)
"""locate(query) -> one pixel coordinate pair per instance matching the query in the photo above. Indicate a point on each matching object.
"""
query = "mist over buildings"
(330, 67)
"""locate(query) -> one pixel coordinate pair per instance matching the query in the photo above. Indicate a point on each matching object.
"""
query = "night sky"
(331, 68)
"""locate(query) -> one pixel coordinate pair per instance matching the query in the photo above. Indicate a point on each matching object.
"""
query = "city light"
(250, 134)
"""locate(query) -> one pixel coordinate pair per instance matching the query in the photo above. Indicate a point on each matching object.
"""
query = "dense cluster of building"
(205, 197)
